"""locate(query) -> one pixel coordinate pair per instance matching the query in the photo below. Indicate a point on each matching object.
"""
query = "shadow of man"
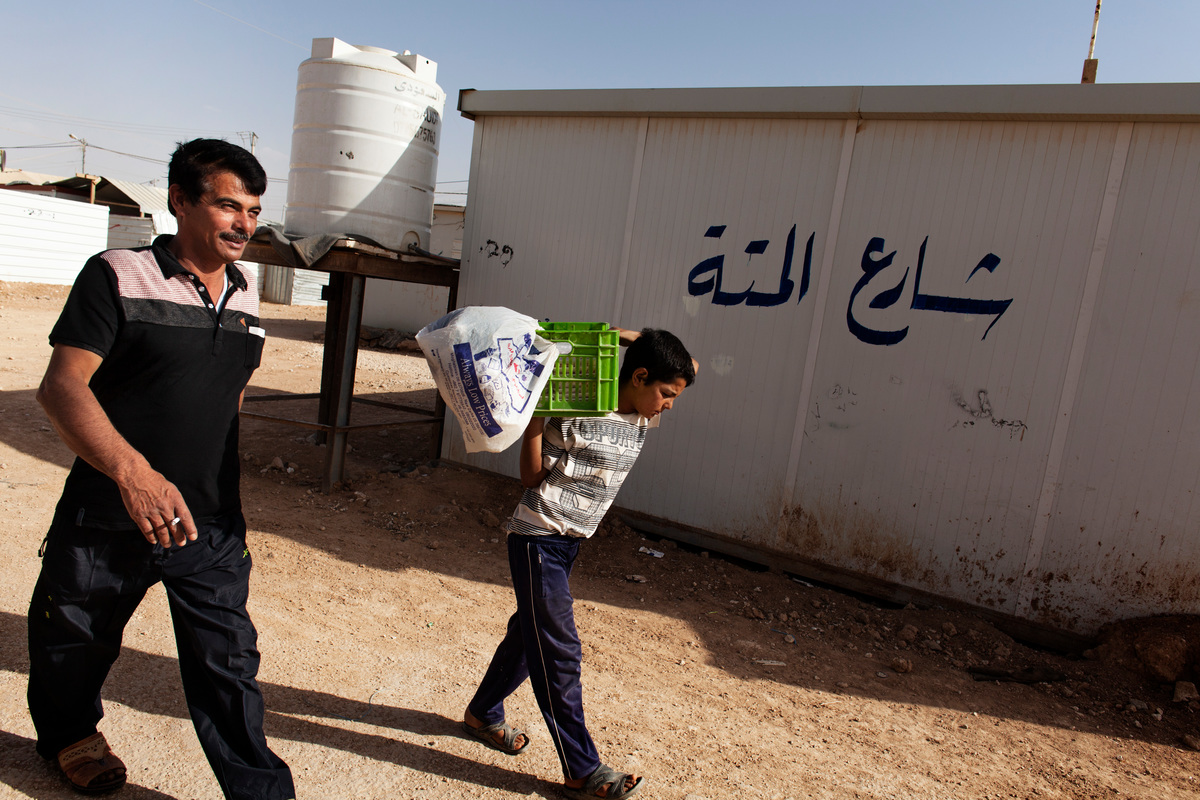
(289, 716)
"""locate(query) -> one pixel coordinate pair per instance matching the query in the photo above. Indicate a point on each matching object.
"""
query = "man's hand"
(153, 502)
(158, 509)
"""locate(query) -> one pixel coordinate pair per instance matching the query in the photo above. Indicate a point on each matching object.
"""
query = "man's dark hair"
(662, 354)
(194, 163)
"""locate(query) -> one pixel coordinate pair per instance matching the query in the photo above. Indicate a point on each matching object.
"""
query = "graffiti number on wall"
(494, 250)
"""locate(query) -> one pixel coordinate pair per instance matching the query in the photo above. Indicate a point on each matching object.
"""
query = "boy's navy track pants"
(542, 644)
(92, 581)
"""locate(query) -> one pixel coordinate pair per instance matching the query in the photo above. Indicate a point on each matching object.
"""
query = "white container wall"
(46, 239)
(365, 144)
(130, 231)
(1125, 526)
(410, 306)
(948, 335)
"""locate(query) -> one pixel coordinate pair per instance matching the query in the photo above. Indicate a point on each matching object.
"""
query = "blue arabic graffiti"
(715, 267)
(920, 302)
(706, 277)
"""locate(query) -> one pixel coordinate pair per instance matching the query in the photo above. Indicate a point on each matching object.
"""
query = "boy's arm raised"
(532, 471)
(626, 337)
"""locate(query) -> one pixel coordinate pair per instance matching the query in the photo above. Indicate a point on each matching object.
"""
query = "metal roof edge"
(149, 199)
(756, 101)
(1167, 102)
(1116, 102)
(20, 176)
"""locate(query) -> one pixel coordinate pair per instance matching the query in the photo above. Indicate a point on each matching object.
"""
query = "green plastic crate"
(583, 383)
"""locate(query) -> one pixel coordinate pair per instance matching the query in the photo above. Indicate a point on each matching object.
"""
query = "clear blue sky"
(137, 75)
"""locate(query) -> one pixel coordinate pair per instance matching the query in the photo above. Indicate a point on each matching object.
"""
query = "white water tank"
(365, 145)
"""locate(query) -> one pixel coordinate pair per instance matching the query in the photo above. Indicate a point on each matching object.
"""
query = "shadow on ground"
(743, 615)
(280, 326)
(287, 708)
(22, 769)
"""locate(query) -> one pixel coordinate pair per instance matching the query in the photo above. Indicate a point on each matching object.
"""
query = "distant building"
(136, 213)
(46, 239)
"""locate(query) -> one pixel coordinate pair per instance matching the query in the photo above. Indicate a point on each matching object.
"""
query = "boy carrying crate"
(571, 469)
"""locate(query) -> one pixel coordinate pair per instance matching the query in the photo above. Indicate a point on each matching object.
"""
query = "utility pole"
(1089, 66)
(250, 135)
(82, 153)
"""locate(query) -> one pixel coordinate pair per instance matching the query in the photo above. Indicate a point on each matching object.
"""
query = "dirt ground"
(378, 607)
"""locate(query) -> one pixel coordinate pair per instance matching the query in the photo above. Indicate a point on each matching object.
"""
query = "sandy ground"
(378, 607)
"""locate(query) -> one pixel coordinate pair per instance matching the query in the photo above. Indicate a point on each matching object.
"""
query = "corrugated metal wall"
(942, 349)
(1123, 525)
(922, 461)
(289, 286)
(125, 232)
(47, 240)
(555, 202)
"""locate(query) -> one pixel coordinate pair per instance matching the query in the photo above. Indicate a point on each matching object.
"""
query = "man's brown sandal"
(90, 766)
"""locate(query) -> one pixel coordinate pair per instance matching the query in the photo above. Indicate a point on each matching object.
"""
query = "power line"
(129, 155)
(60, 145)
(53, 116)
(36, 146)
(247, 24)
(108, 150)
(158, 160)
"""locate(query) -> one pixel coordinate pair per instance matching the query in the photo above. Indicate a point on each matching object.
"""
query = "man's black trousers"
(92, 581)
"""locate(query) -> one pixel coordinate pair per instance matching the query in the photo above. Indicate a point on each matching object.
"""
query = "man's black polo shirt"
(172, 374)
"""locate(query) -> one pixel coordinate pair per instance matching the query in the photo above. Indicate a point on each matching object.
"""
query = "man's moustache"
(231, 236)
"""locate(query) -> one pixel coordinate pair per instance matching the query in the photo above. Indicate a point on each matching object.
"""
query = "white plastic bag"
(490, 366)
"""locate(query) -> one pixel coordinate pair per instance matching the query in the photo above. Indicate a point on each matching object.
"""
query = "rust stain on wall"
(853, 540)
(1134, 588)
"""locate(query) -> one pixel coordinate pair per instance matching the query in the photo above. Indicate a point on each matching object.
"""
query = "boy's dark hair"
(194, 163)
(663, 356)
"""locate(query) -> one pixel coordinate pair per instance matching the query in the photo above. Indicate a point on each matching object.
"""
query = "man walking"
(152, 354)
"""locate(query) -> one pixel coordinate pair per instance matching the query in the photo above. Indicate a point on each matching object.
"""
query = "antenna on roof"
(1090, 65)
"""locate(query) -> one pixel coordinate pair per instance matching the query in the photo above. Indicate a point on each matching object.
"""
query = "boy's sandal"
(507, 743)
(604, 776)
(90, 766)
